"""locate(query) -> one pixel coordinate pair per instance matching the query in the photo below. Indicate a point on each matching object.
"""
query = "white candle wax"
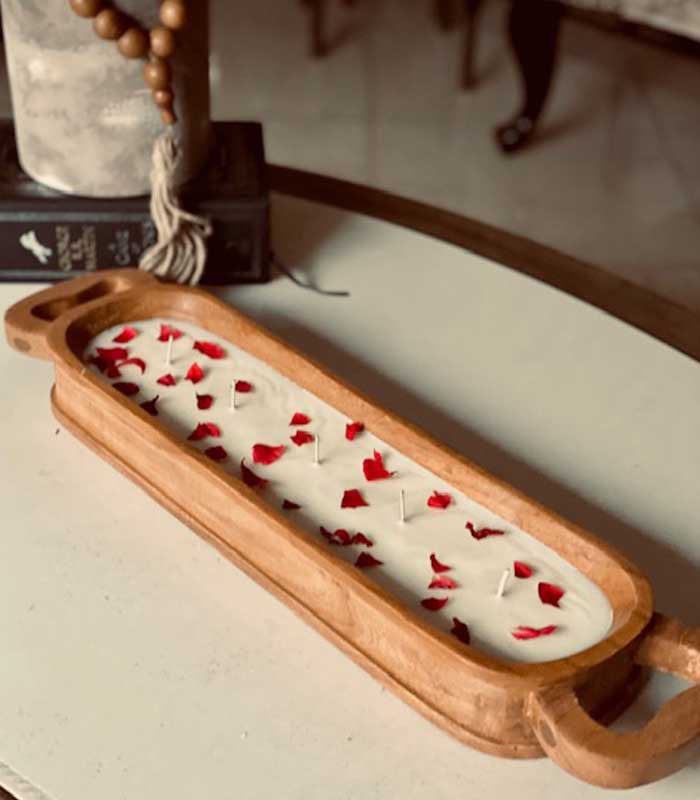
(584, 616)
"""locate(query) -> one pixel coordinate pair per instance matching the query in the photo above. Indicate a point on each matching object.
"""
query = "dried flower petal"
(442, 582)
(300, 419)
(150, 406)
(194, 373)
(436, 565)
(374, 468)
(98, 361)
(460, 630)
(128, 333)
(360, 538)
(267, 454)
(353, 499)
(352, 429)
(203, 431)
(526, 632)
(169, 332)
(204, 402)
(210, 349)
(365, 560)
(288, 505)
(439, 500)
(550, 594)
(243, 387)
(340, 536)
(434, 603)
(128, 389)
(216, 453)
(521, 569)
(251, 479)
(484, 532)
(132, 362)
(112, 354)
(302, 437)
(166, 380)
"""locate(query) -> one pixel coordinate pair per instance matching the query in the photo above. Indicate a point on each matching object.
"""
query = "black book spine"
(56, 246)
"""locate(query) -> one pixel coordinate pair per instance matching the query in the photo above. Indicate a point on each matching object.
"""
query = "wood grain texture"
(494, 705)
(663, 319)
(669, 741)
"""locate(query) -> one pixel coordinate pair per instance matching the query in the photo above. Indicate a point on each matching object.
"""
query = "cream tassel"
(180, 253)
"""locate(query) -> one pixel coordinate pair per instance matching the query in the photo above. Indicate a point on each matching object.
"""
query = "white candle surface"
(584, 615)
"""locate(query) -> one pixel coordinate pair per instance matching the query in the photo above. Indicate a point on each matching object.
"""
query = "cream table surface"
(135, 662)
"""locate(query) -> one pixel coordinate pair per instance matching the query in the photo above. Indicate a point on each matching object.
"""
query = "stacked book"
(46, 235)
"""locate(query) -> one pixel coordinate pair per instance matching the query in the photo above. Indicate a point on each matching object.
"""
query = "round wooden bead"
(168, 116)
(110, 24)
(162, 42)
(133, 43)
(157, 74)
(164, 98)
(173, 14)
(86, 8)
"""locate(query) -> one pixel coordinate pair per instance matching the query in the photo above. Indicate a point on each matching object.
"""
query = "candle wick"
(169, 352)
(317, 448)
(402, 506)
(234, 405)
(503, 582)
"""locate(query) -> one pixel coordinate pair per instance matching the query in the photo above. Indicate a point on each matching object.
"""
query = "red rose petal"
(365, 560)
(436, 565)
(169, 332)
(194, 373)
(204, 402)
(203, 431)
(300, 419)
(288, 505)
(128, 389)
(360, 538)
(484, 532)
(166, 380)
(374, 468)
(216, 453)
(442, 582)
(550, 594)
(434, 603)
(521, 569)
(302, 437)
(340, 536)
(132, 362)
(98, 362)
(127, 334)
(438, 500)
(460, 630)
(112, 354)
(267, 454)
(353, 499)
(210, 349)
(526, 632)
(243, 387)
(150, 406)
(112, 371)
(352, 429)
(251, 479)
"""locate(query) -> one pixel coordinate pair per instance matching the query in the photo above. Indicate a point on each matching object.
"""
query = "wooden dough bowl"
(508, 709)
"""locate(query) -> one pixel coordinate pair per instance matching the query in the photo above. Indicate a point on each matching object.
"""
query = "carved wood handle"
(671, 739)
(27, 322)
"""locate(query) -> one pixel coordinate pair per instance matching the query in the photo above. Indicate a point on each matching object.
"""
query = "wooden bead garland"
(133, 42)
